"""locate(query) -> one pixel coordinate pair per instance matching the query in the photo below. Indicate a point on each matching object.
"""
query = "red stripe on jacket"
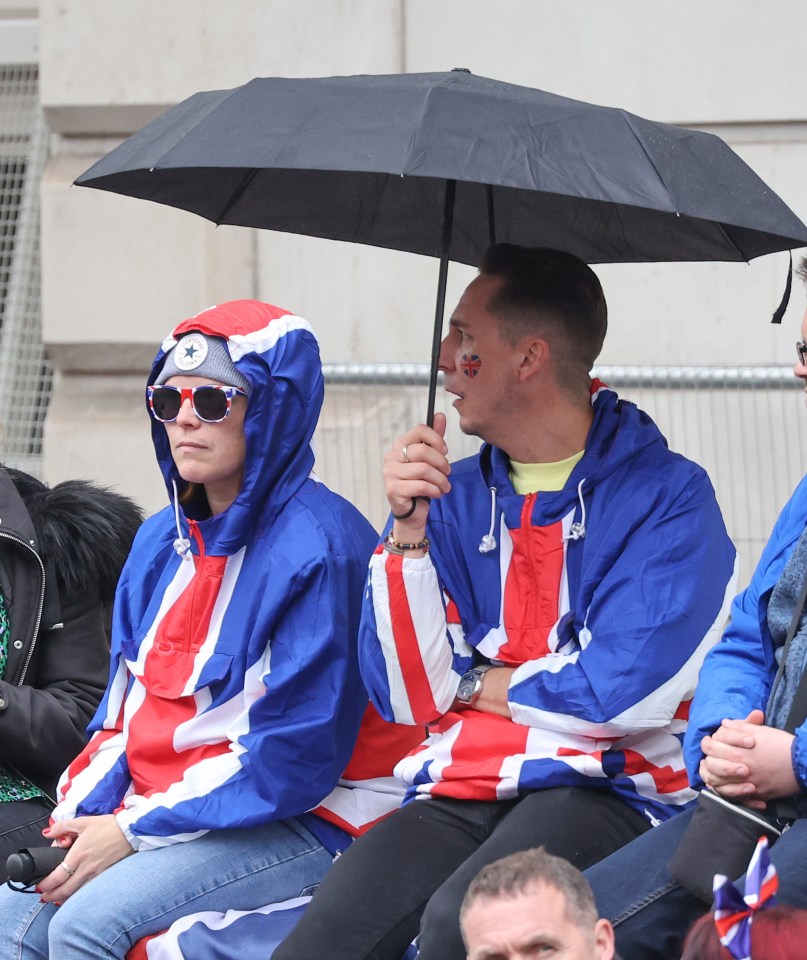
(168, 667)
(532, 588)
(418, 689)
(489, 736)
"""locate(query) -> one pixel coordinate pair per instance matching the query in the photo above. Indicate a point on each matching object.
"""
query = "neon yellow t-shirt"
(531, 477)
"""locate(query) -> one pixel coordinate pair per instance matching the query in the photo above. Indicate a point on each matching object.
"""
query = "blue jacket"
(605, 597)
(738, 673)
(235, 696)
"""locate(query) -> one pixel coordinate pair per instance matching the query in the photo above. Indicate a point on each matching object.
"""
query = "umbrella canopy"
(366, 159)
(442, 164)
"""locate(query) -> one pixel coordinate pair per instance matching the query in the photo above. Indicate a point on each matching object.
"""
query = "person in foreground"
(235, 696)
(530, 905)
(543, 607)
(735, 744)
(61, 548)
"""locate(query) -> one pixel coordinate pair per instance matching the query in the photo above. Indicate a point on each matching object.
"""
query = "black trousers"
(371, 902)
(21, 824)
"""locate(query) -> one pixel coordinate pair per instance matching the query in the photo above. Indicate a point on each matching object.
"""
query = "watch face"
(469, 684)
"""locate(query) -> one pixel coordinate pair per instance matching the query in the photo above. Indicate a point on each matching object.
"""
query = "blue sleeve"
(738, 673)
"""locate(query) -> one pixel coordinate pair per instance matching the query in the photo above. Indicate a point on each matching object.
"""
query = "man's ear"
(604, 947)
(535, 357)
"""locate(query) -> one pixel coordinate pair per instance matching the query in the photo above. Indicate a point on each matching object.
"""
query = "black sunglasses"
(801, 350)
(209, 402)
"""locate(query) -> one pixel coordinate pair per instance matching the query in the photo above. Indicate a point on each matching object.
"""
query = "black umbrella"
(443, 164)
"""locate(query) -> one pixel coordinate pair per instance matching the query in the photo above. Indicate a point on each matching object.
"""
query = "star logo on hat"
(190, 352)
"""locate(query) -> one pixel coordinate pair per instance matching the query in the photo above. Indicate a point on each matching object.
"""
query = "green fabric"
(12, 786)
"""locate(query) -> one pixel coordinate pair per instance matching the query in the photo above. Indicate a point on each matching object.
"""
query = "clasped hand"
(749, 762)
(95, 843)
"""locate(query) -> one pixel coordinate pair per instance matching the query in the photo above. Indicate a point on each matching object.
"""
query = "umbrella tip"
(460, 70)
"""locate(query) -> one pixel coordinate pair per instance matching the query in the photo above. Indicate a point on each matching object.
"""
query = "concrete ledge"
(94, 357)
(103, 119)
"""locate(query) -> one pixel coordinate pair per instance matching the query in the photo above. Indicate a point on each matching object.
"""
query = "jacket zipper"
(35, 637)
(527, 524)
(193, 527)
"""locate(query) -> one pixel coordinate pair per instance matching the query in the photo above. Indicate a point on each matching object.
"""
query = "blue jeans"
(146, 892)
(650, 913)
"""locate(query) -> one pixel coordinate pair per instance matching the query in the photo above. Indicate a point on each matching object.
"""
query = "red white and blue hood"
(278, 354)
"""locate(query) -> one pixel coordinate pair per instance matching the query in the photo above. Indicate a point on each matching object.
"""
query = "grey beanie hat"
(198, 355)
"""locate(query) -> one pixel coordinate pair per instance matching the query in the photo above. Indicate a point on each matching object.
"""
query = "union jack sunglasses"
(209, 402)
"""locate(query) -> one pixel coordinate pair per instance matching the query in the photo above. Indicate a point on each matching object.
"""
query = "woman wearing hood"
(234, 698)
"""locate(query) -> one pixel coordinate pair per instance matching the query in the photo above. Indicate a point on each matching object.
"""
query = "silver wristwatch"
(471, 684)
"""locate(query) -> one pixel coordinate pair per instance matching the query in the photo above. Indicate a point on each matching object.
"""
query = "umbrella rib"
(227, 96)
(626, 117)
(730, 240)
(236, 195)
(415, 130)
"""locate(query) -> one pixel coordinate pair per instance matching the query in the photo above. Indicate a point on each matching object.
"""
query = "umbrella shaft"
(437, 337)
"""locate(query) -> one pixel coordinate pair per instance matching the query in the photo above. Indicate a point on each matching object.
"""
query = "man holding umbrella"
(543, 608)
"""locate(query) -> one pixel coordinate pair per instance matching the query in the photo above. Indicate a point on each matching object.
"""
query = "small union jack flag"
(470, 364)
(734, 913)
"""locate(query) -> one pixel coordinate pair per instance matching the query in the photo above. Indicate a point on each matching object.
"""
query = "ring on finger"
(68, 869)
(405, 455)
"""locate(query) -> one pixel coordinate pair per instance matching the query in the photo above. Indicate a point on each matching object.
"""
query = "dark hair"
(777, 933)
(703, 943)
(194, 501)
(518, 873)
(801, 270)
(554, 293)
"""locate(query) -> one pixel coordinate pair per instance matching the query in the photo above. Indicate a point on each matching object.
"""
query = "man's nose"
(446, 359)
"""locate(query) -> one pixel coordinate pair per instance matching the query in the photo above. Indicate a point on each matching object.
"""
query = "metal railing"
(745, 425)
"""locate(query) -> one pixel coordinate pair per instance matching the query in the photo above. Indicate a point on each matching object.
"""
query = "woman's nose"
(186, 415)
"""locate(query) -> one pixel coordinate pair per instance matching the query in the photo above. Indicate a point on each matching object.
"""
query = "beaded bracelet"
(392, 546)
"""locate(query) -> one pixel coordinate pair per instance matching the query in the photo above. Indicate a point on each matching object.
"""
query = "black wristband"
(409, 512)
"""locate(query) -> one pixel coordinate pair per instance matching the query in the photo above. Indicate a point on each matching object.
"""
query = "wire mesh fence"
(745, 425)
(25, 375)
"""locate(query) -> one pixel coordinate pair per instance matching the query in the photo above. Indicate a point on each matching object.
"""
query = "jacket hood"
(278, 354)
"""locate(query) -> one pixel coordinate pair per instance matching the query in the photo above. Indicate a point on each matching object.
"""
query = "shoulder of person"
(85, 531)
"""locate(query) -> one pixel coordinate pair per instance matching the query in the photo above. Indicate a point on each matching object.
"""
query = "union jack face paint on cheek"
(470, 364)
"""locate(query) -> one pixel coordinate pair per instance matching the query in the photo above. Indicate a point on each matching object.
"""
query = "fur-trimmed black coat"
(61, 552)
